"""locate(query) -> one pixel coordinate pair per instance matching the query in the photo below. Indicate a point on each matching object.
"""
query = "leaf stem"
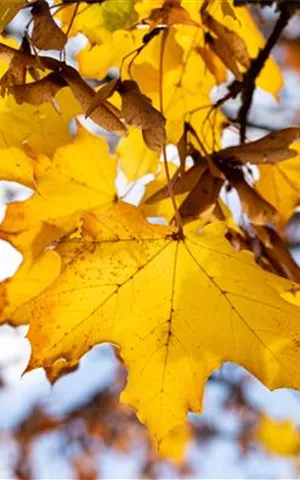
(164, 151)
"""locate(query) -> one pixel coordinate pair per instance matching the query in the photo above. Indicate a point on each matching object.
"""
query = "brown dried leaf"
(46, 34)
(278, 253)
(154, 138)
(138, 111)
(181, 184)
(136, 107)
(16, 73)
(218, 212)
(101, 95)
(227, 10)
(106, 115)
(171, 13)
(272, 148)
(234, 42)
(7, 53)
(109, 117)
(182, 150)
(211, 61)
(259, 211)
(202, 199)
(40, 91)
(222, 50)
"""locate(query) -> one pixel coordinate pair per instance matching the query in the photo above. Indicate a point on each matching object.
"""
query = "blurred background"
(77, 429)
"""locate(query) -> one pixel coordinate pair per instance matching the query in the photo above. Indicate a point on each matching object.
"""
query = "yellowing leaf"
(118, 14)
(176, 307)
(171, 13)
(280, 185)
(136, 159)
(41, 126)
(278, 436)
(97, 21)
(80, 177)
(183, 90)
(245, 27)
(163, 208)
(16, 166)
(111, 53)
(31, 279)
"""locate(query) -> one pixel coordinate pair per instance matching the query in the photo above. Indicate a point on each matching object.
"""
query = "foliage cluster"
(176, 299)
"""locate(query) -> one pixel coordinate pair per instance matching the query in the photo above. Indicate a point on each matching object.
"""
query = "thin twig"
(168, 176)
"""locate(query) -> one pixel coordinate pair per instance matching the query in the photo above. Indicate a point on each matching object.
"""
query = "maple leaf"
(65, 187)
(136, 159)
(99, 20)
(162, 208)
(244, 25)
(111, 51)
(16, 166)
(278, 436)
(43, 128)
(280, 185)
(30, 280)
(177, 304)
(176, 307)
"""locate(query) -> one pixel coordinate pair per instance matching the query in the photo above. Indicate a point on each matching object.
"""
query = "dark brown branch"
(248, 84)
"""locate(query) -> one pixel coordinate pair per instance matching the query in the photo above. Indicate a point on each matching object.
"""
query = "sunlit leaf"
(176, 307)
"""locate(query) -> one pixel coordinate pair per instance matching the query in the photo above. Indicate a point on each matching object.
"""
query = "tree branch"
(248, 84)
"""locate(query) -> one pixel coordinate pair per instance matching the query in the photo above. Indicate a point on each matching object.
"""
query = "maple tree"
(176, 300)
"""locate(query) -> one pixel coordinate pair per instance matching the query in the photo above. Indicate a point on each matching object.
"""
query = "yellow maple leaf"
(240, 21)
(80, 177)
(136, 159)
(278, 436)
(163, 208)
(280, 185)
(176, 307)
(245, 26)
(31, 279)
(94, 61)
(42, 127)
(16, 166)
(98, 20)
(186, 84)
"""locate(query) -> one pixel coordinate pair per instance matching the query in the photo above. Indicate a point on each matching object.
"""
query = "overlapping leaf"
(177, 308)
(79, 178)
(280, 184)
(94, 270)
